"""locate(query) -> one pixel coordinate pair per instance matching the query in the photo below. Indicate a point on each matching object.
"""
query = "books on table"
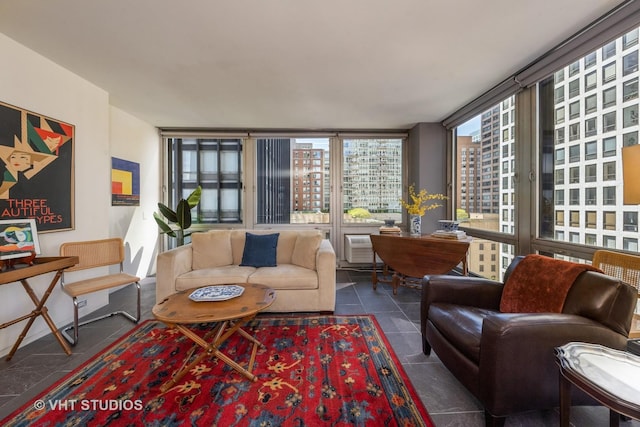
(455, 235)
(390, 230)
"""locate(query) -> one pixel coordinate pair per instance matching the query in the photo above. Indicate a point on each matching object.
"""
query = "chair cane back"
(94, 254)
(625, 267)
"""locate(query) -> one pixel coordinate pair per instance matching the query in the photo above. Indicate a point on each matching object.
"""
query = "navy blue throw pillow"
(260, 250)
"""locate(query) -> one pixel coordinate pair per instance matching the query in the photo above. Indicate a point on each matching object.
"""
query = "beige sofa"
(304, 277)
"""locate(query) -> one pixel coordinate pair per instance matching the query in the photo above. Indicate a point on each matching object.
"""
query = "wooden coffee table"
(178, 311)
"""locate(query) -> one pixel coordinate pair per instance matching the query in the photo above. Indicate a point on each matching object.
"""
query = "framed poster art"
(18, 238)
(36, 169)
(125, 183)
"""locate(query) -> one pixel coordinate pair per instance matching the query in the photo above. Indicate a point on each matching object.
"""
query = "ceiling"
(294, 64)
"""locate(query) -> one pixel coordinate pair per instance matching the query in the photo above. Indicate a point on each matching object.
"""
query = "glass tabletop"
(614, 371)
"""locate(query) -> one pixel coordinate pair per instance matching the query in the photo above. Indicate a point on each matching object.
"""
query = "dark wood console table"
(21, 274)
(411, 258)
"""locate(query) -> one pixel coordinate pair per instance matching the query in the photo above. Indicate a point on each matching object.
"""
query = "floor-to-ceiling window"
(372, 180)
(293, 180)
(216, 165)
(581, 164)
(337, 183)
(559, 126)
(483, 187)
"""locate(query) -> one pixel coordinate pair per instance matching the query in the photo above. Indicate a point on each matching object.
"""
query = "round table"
(228, 316)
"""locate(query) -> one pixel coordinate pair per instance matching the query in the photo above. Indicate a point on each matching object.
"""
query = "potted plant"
(417, 205)
(175, 223)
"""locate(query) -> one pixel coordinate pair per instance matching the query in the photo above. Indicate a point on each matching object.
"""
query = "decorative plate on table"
(216, 293)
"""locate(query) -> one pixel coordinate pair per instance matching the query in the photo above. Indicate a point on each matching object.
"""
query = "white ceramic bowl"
(448, 224)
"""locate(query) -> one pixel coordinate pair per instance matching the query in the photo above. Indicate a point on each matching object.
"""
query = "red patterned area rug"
(312, 371)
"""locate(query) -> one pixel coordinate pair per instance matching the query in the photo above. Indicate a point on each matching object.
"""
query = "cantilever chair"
(625, 267)
(94, 254)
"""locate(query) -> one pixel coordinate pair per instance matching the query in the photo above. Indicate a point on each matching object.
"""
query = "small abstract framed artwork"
(18, 238)
(125, 183)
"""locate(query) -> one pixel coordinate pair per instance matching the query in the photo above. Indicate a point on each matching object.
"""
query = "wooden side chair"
(94, 254)
(625, 267)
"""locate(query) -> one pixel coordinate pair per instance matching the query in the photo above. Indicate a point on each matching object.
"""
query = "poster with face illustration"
(36, 169)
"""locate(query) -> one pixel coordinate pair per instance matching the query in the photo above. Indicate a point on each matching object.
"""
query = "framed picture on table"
(18, 238)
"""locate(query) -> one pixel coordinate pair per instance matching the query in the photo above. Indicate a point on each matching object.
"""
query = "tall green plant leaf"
(164, 227)
(194, 197)
(180, 218)
(167, 212)
(183, 214)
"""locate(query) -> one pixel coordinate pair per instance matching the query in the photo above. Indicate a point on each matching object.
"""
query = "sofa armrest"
(517, 349)
(326, 270)
(460, 290)
(170, 265)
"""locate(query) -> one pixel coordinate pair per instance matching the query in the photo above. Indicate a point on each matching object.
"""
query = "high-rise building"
(308, 177)
(372, 174)
(468, 174)
(273, 158)
(489, 160)
(595, 114)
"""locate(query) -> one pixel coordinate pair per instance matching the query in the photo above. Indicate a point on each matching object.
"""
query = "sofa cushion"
(260, 250)
(461, 326)
(305, 249)
(228, 274)
(211, 249)
(286, 242)
(285, 276)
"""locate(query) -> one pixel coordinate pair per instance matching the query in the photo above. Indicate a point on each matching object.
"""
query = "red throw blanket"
(540, 284)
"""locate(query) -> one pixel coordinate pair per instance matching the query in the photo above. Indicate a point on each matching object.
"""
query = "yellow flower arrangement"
(420, 201)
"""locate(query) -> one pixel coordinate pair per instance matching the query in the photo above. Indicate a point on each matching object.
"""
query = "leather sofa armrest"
(170, 265)
(517, 349)
(460, 290)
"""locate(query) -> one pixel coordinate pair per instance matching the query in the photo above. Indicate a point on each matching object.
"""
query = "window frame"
(594, 38)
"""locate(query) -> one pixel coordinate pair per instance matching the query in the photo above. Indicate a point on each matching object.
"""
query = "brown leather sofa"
(506, 360)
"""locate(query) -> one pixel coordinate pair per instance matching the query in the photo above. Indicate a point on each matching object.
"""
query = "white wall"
(136, 141)
(30, 81)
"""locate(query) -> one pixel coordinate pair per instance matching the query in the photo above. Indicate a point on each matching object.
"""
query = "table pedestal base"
(396, 279)
(221, 332)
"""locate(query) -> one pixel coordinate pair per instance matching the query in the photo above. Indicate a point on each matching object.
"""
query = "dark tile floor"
(39, 364)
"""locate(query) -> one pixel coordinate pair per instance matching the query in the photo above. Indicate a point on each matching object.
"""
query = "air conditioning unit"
(357, 249)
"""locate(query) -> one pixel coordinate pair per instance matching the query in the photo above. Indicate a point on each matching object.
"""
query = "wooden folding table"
(40, 266)
(413, 257)
(226, 317)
